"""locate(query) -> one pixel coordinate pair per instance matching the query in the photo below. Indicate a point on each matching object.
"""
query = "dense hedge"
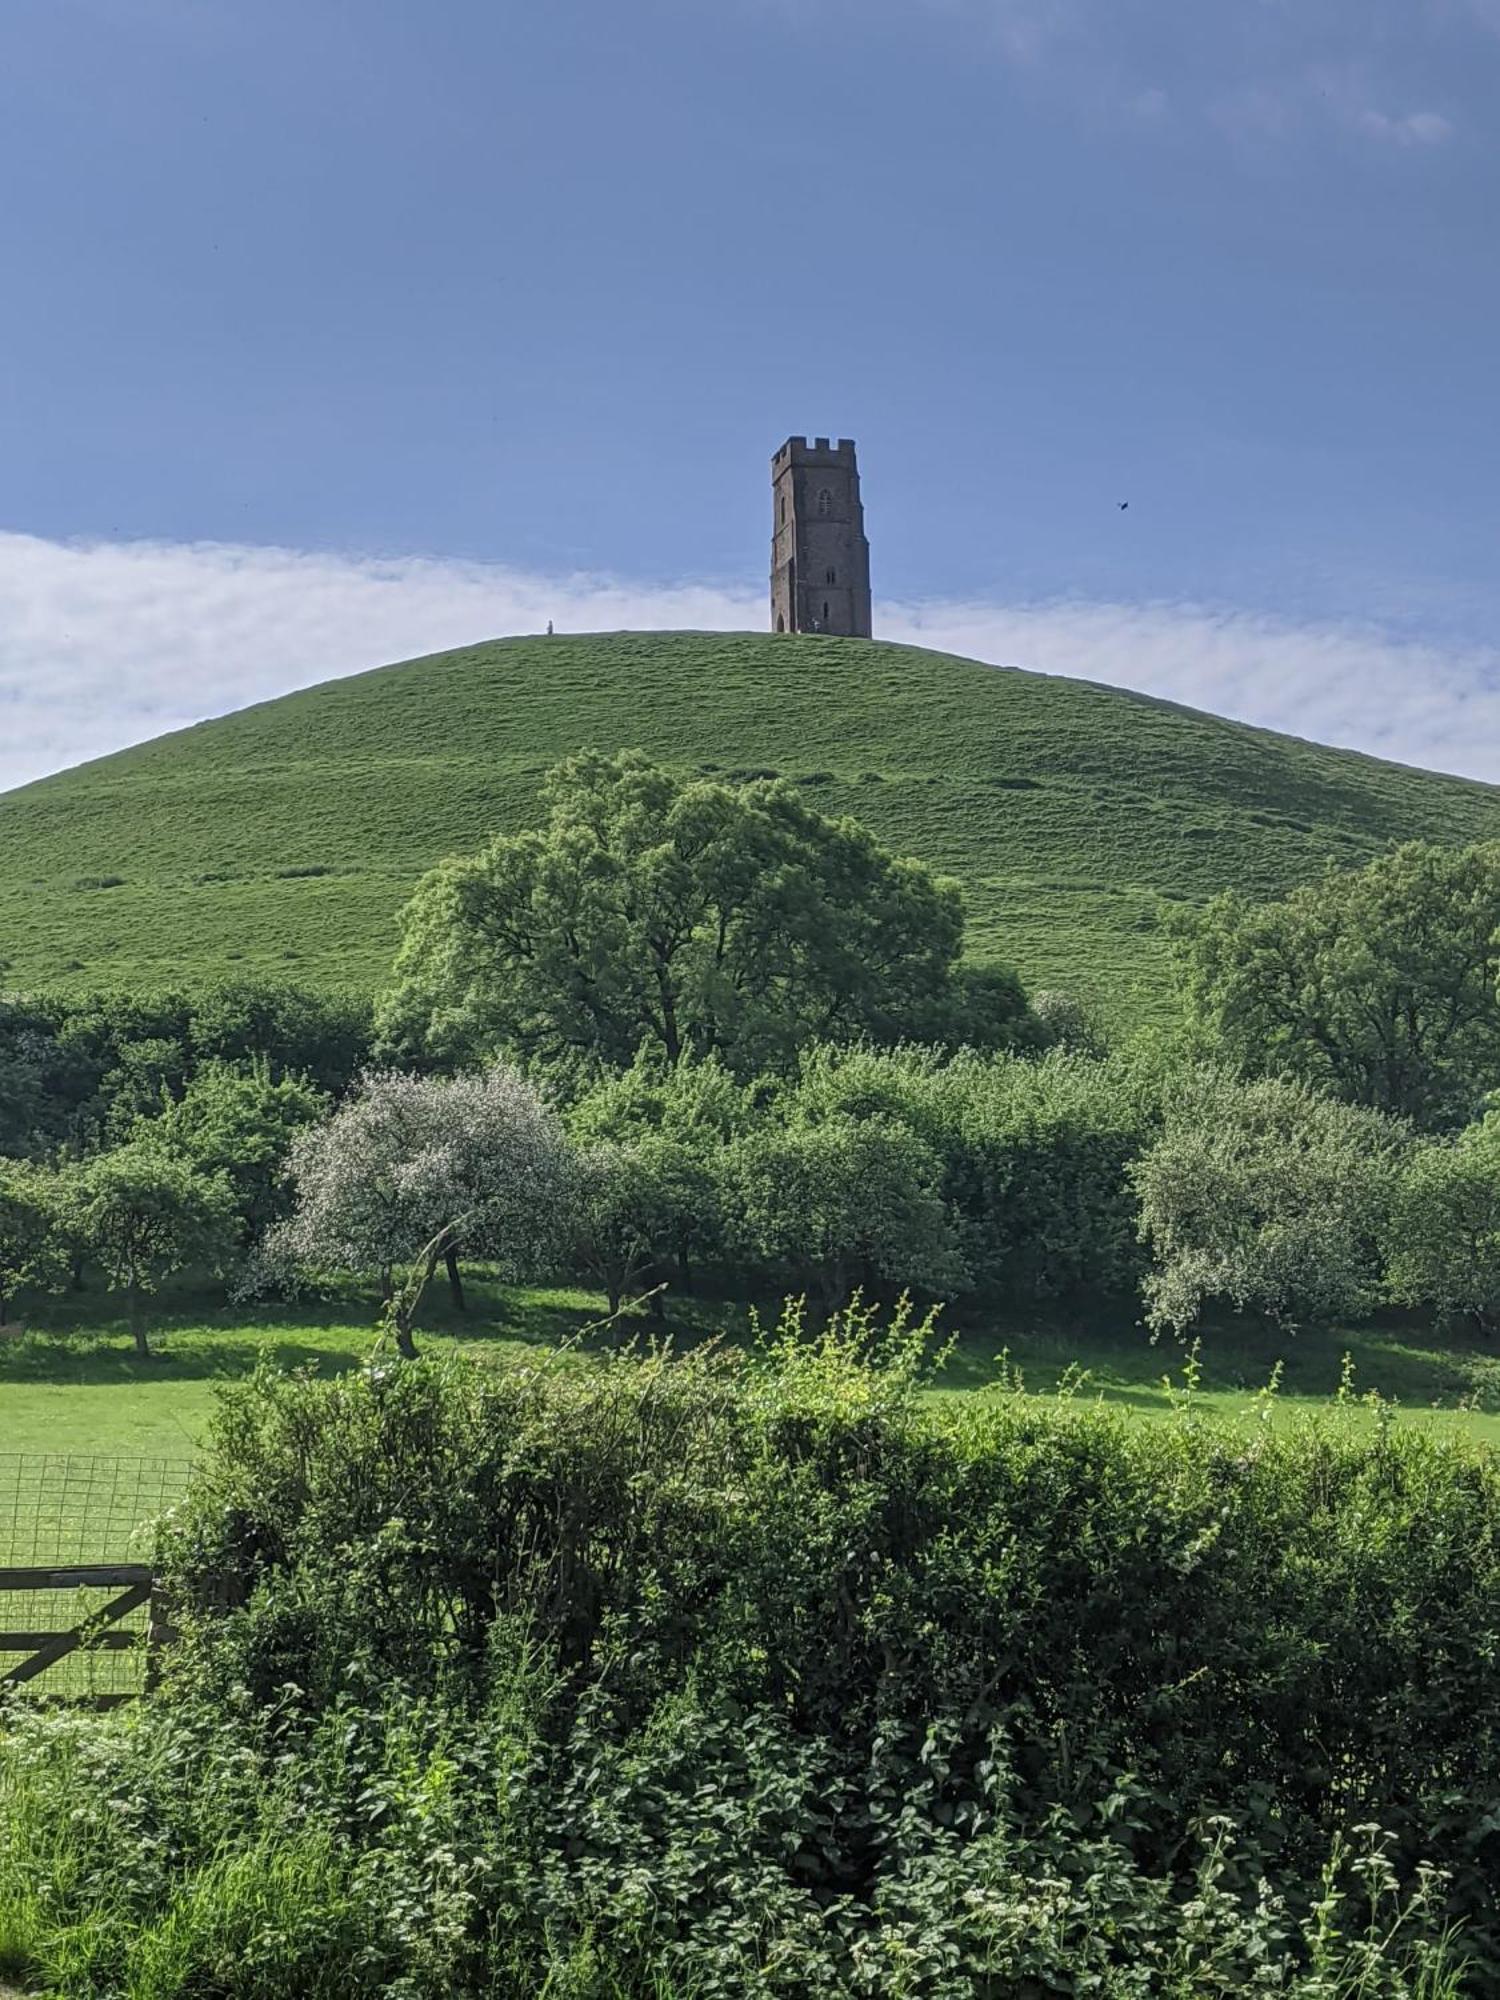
(765, 1676)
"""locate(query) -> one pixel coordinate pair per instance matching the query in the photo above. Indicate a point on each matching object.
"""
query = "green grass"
(76, 1386)
(281, 841)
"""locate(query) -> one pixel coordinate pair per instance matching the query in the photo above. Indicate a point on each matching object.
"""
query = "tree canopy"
(1376, 984)
(143, 1212)
(694, 917)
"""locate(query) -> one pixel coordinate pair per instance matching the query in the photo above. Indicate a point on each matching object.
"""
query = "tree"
(143, 1212)
(658, 1132)
(410, 1169)
(629, 1202)
(321, 1037)
(1444, 1234)
(841, 1202)
(45, 1088)
(235, 1120)
(1267, 1195)
(29, 1252)
(692, 918)
(1377, 985)
(1032, 1152)
(1068, 1023)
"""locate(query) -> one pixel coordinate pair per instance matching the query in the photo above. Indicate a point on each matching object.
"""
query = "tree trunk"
(684, 1263)
(455, 1281)
(406, 1347)
(137, 1321)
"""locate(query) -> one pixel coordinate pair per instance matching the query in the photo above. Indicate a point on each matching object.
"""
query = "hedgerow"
(763, 1675)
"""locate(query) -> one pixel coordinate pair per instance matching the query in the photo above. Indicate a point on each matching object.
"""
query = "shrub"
(1268, 1196)
(1032, 1155)
(1444, 1232)
(763, 1676)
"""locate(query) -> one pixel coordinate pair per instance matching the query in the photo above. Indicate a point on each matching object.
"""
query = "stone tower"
(820, 560)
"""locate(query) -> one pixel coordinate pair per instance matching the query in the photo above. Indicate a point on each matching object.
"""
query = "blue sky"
(311, 296)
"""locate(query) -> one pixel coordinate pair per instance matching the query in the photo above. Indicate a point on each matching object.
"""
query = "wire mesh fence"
(61, 1508)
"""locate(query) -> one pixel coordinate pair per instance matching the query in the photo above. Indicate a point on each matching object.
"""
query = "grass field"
(76, 1387)
(281, 841)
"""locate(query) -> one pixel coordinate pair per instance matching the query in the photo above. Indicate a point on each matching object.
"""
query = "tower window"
(825, 612)
(825, 501)
(831, 577)
(783, 506)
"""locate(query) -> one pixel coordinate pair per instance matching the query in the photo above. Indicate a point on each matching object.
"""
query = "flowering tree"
(410, 1169)
(1266, 1195)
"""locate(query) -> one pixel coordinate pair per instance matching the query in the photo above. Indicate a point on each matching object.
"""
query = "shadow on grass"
(105, 1356)
(1398, 1356)
(85, 1339)
(195, 1336)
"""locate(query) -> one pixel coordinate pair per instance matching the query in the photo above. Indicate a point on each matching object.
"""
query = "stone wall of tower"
(820, 559)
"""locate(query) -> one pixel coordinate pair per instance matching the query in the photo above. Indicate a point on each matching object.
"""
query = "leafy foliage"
(704, 918)
(1268, 1196)
(141, 1213)
(1376, 984)
(836, 1203)
(75, 1071)
(769, 1679)
(1444, 1231)
(239, 1122)
(29, 1251)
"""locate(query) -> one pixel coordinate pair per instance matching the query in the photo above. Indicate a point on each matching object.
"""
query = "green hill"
(281, 840)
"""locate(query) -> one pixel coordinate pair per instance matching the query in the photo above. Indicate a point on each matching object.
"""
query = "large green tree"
(694, 917)
(1377, 984)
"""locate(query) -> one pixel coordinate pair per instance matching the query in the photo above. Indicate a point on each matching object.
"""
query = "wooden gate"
(96, 1630)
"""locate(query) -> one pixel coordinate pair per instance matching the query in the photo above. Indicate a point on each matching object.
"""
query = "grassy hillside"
(283, 839)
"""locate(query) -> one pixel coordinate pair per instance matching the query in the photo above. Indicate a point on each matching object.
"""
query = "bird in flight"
(1123, 504)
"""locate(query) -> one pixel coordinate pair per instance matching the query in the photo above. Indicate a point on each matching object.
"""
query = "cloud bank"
(105, 644)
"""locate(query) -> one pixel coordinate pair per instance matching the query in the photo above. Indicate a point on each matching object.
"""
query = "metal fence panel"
(68, 1508)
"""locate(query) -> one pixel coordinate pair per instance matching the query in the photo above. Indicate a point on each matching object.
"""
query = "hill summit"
(281, 840)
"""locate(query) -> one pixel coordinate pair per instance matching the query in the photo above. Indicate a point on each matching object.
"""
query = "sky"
(336, 331)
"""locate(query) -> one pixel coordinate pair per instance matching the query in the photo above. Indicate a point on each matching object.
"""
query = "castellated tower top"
(820, 560)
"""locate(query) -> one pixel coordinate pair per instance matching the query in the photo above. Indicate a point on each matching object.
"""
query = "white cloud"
(106, 644)
(1344, 96)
